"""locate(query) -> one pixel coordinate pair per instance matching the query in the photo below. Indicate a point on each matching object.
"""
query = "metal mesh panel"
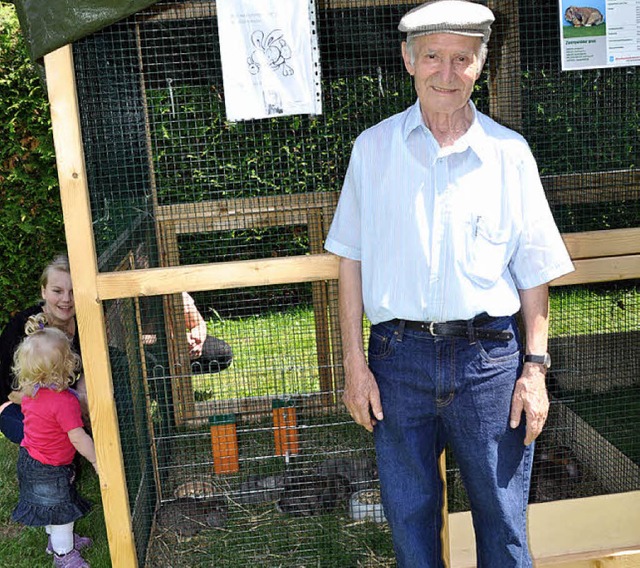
(173, 183)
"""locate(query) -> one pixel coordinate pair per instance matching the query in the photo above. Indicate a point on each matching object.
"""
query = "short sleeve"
(68, 412)
(541, 255)
(344, 234)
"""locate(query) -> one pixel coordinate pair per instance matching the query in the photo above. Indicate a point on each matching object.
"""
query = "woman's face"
(58, 296)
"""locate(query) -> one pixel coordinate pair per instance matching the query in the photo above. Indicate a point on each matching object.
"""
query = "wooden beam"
(505, 85)
(226, 214)
(608, 269)
(594, 244)
(76, 209)
(592, 187)
(591, 532)
(218, 276)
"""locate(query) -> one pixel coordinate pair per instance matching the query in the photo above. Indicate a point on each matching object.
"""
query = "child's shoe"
(71, 560)
(79, 543)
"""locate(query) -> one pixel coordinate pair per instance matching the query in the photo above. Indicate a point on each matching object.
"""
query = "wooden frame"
(601, 523)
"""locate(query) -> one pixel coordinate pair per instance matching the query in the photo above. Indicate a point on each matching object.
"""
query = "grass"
(583, 311)
(609, 413)
(570, 32)
(276, 353)
(23, 547)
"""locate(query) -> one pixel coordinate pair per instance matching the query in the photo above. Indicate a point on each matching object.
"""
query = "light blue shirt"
(445, 233)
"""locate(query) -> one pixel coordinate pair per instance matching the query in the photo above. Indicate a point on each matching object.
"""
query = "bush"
(30, 213)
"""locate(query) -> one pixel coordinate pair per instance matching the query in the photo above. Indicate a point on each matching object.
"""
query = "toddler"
(45, 366)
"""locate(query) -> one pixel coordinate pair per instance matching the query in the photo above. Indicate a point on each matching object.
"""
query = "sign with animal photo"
(270, 58)
(599, 33)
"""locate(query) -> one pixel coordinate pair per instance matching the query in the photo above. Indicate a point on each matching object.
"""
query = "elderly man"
(444, 233)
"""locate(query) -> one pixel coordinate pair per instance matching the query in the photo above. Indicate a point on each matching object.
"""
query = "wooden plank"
(320, 307)
(310, 268)
(593, 244)
(591, 526)
(592, 187)
(505, 85)
(218, 276)
(91, 324)
(230, 208)
(444, 533)
(610, 269)
(626, 558)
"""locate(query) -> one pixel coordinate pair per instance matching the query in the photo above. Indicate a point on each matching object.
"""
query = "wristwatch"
(544, 360)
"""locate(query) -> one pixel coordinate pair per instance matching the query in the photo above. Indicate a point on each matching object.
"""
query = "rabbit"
(358, 471)
(582, 16)
(556, 472)
(306, 495)
(187, 516)
(259, 489)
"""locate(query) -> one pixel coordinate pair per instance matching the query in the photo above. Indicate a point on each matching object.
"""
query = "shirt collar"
(474, 138)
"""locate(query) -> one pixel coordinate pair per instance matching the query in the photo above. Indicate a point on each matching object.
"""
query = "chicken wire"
(173, 183)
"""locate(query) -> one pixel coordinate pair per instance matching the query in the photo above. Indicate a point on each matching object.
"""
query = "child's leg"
(79, 542)
(61, 538)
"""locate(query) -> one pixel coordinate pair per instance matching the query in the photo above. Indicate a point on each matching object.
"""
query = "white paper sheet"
(270, 60)
(599, 33)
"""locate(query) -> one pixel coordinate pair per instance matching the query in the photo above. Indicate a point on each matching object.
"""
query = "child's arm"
(84, 444)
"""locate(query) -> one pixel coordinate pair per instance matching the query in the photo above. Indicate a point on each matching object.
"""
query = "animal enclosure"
(249, 457)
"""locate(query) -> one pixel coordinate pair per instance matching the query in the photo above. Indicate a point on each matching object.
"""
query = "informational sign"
(599, 33)
(270, 59)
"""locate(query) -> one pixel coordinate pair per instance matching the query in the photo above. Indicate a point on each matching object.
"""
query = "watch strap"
(544, 360)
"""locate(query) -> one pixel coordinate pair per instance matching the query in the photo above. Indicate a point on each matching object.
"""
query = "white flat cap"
(448, 17)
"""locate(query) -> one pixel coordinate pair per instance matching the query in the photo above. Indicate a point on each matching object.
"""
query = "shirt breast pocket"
(488, 252)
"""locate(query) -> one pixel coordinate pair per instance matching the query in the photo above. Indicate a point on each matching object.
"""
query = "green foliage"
(199, 155)
(30, 213)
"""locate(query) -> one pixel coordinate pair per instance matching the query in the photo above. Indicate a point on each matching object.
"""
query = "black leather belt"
(457, 328)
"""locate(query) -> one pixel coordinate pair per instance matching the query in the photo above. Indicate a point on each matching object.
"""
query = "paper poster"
(270, 59)
(599, 33)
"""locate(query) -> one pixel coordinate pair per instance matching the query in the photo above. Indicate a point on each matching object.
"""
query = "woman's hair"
(45, 359)
(60, 262)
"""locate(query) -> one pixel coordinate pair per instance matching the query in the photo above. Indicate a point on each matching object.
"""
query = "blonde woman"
(57, 309)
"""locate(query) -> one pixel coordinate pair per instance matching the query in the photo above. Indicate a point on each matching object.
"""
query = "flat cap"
(448, 17)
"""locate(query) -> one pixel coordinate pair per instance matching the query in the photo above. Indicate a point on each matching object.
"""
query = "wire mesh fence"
(237, 448)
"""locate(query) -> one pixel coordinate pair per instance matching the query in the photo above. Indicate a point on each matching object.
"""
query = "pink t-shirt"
(47, 418)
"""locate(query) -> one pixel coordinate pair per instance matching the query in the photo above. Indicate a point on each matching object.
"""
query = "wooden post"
(505, 84)
(76, 209)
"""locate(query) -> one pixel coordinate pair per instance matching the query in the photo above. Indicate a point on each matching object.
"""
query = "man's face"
(445, 68)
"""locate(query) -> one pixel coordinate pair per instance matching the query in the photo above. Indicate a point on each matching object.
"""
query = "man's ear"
(407, 59)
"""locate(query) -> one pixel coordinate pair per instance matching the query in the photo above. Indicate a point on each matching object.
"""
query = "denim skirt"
(47, 494)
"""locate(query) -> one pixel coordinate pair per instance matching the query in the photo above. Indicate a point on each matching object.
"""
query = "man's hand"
(361, 395)
(530, 396)
(196, 343)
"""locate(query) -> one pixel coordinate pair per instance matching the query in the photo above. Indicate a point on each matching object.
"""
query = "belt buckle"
(431, 328)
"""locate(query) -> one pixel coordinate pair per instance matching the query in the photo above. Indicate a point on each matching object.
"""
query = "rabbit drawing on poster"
(271, 51)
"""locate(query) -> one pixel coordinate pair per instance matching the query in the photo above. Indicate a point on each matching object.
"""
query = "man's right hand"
(361, 395)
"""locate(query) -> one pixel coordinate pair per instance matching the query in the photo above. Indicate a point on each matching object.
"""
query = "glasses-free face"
(58, 296)
(445, 68)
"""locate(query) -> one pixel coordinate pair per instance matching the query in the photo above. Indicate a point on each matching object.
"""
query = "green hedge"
(30, 213)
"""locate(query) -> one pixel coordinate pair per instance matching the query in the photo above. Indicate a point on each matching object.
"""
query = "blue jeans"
(444, 390)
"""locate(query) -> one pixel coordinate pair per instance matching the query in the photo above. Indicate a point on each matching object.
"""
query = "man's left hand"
(530, 396)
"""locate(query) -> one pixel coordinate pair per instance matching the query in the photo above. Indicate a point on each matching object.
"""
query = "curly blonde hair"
(45, 359)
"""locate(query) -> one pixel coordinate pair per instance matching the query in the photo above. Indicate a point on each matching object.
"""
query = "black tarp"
(50, 24)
